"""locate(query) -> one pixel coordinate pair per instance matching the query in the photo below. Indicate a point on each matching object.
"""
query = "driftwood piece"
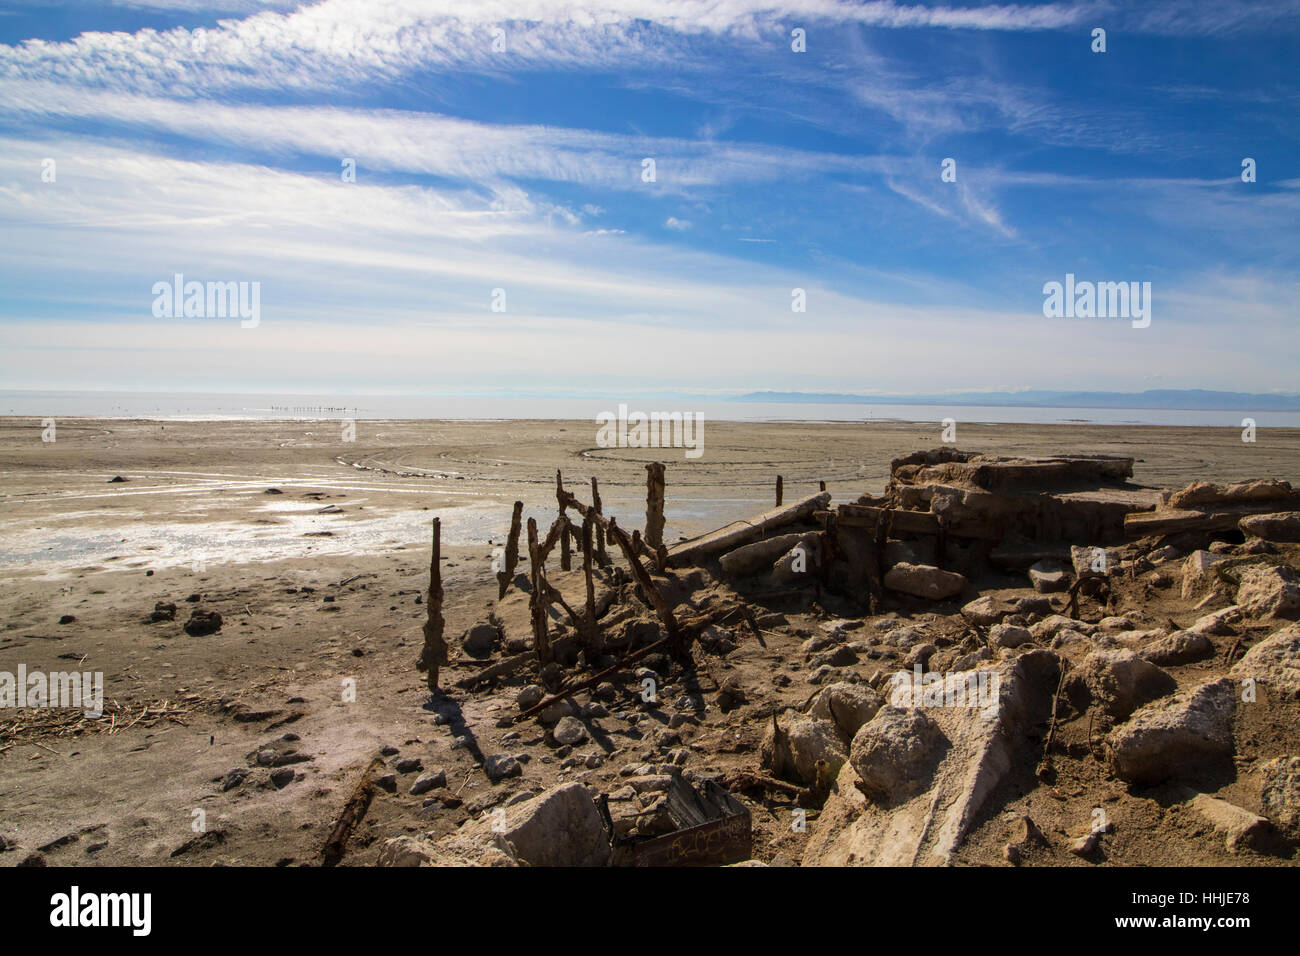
(502, 668)
(592, 681)
(737, 533)
(654, 504)
(434, 653)
(745, 781)
(354, 812)
(505, 576)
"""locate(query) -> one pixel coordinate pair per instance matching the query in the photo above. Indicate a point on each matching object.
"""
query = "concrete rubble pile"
(981, 628)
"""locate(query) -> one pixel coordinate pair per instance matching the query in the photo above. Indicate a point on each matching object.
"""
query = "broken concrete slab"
(1274, 662)
(1240, 827)
(847, 706)
(560, 827)
(1180, 647)
(983, 744)
(1278, 526)
(1268, 591)
(1177, 735)
(1119, 682)
(804, 749)
(923, 581)
(1280, 794)
(1047, 577)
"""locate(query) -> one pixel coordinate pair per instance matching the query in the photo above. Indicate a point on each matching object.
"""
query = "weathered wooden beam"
(912, 522)
(780, 490)
(354, 812)
(434, 653)
(499, 669)
(741, 532)
(654, 504)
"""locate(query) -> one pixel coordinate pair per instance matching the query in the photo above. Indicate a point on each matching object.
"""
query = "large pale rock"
(1280, 794)
(1177, 735)
(1009, 635)
(1047, 577)
(806, 749)
(1281, 526)
(407, 851)
(1093, 562)
(1274, 662)
(986, 611)
(1049, 626)
(977, 749)
(847, 706)
(1267, 591)
(924, 581)
(1205, 494)
(1119, 682)
(560, 827)
(1240, 827)
(893, 753)
(1196, 569)
(1180, 647)
(1219, 622)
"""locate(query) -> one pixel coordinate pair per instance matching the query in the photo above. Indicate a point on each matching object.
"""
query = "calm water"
(178, 406)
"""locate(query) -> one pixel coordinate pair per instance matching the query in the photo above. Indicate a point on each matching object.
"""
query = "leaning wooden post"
(654, 504)
(821, 485)
(602, 557)
(434, 653)
(591, 627)
(648, 587)
(780, 482)
(506, 575)
(537, 599)
(566, 559)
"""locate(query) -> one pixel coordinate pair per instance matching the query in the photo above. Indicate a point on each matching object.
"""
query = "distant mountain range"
(1191, 398)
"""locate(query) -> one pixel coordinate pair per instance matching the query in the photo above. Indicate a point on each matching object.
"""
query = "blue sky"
(208, 140)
